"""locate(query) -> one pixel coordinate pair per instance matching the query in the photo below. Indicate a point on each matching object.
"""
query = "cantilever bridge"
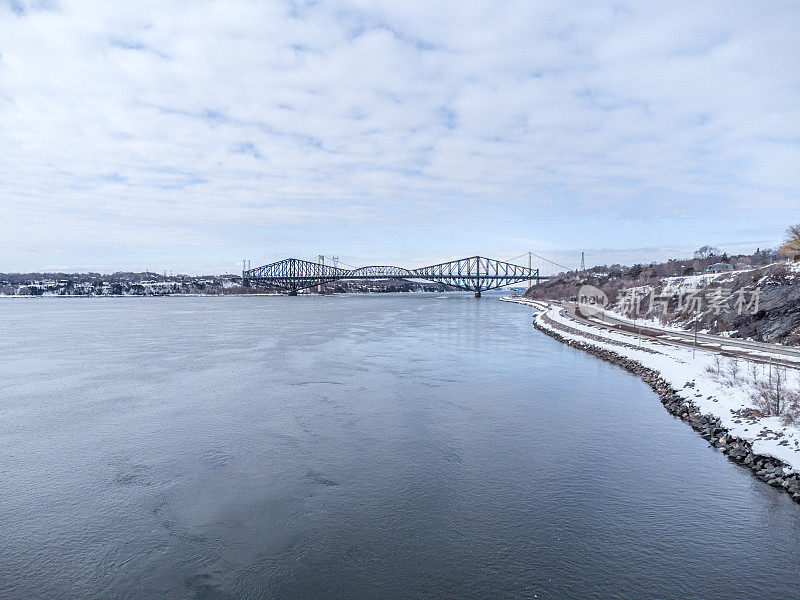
(475, 273)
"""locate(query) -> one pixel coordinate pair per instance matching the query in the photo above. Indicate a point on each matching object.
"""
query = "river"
(383, 446)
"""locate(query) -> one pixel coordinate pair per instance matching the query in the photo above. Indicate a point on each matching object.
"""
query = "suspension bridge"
(476, 273)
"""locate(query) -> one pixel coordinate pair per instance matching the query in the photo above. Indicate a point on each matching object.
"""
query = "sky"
(188, 135)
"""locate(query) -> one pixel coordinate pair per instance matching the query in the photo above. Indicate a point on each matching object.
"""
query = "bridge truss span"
(380, 272)
(293, 274)
(475, 273)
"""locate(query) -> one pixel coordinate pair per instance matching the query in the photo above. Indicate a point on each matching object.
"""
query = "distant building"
(719, 267)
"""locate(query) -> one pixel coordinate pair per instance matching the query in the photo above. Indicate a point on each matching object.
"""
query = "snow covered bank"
(693, 389)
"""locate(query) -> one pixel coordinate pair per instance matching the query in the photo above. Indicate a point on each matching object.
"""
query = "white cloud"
(202, 130)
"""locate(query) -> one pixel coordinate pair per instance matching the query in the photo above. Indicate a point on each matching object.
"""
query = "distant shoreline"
(258, 294)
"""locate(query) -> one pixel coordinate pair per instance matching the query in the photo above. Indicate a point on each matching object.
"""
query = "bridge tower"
(530, 281)
(321, 286)
(245, 280)
(478, 278)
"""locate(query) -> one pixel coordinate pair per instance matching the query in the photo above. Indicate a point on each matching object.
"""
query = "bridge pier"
(478, 294)
(293, 292)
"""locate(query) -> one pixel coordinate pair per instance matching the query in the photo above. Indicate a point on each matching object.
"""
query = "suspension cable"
(541, 257)
(552, 262)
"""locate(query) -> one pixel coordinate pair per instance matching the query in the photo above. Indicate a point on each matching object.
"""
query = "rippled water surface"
(355, 447)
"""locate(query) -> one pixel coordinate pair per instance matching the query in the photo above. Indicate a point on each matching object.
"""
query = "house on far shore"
(719, 267)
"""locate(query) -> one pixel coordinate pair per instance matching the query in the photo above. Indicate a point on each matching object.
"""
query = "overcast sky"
(188, 135)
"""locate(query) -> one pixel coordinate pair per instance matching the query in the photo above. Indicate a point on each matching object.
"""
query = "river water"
(387, 446)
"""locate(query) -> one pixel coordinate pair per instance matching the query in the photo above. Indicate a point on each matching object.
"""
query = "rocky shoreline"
(766, 468)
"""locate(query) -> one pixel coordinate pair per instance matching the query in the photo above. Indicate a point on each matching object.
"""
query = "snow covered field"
(695, 379)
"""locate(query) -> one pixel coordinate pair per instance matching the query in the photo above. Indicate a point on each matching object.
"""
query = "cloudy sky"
(188, 135)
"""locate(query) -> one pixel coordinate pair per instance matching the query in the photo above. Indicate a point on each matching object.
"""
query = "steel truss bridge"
(475, 273)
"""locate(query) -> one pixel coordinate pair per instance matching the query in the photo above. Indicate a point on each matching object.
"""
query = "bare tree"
(791, 246)
(752, 370)
(733, 368)
(792, 413)
(715, 368)
(771, 396)
(706, 252)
